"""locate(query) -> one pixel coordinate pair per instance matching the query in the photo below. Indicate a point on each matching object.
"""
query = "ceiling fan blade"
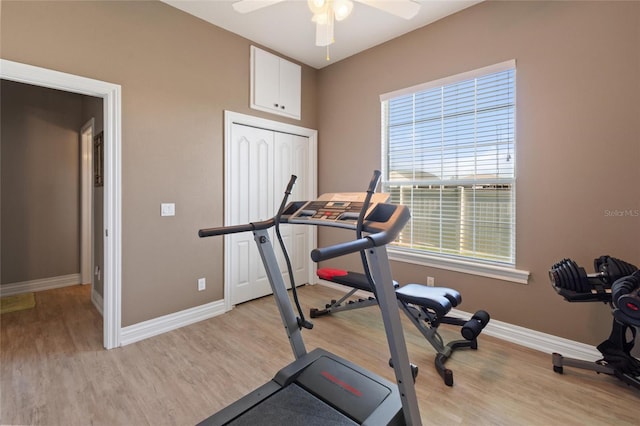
(246, 6)
(406, 9)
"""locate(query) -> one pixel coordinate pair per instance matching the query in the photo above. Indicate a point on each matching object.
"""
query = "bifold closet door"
(262, 162)
(291, 158)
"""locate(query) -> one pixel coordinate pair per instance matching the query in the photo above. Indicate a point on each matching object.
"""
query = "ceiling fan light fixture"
(326, 12)
(342, 9)
(318, 7)
(320, 18)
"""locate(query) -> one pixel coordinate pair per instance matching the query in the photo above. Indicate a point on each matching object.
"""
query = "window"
(449, 155)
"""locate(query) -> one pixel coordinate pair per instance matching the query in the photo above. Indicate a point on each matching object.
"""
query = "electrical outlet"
(431, 281)
(202, 284)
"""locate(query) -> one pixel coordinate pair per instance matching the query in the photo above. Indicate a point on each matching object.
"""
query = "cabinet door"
(290, 88)
(275, 84)
(266, 78)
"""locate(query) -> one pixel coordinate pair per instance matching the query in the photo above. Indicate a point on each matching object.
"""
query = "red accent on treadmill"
(632, 306)
(329, 273)
(342, 384)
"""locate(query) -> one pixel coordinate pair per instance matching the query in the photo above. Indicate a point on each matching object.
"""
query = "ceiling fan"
(325, 12)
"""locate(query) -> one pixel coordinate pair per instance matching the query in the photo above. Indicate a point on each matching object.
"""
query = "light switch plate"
(167, 209)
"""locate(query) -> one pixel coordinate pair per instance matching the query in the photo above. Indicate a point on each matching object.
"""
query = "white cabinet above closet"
(275, 84)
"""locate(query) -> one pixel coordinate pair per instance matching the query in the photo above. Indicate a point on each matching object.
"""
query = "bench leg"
(424, 323)
(340, 305)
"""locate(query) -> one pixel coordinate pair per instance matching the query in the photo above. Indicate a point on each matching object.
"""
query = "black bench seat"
(348, 278)
(439, 299)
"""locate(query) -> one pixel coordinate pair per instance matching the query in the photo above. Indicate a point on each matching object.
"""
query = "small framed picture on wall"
(98, 156)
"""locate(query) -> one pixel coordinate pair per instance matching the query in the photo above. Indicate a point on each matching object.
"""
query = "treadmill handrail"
(234, 229)
(342, 249)
(398, 219)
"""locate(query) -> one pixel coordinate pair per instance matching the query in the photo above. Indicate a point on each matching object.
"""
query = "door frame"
(111, 96)
(86, 202)
(231, 118)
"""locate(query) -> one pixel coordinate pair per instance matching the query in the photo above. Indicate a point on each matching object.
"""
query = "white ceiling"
(286, 27)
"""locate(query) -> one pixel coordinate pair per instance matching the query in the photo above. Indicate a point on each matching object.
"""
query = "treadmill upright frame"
(402, 394)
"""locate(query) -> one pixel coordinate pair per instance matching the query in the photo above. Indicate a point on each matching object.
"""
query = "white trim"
(111, 96)
(144, 330)
(521, 336)
(86, 207)
(263, 123)
(112, 277)
(231, 118)
(537, 340)
(40, 284)
(498, 272)
(97, 301)
(468, 75)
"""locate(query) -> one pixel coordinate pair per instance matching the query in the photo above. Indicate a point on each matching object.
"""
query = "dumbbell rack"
(575, 285)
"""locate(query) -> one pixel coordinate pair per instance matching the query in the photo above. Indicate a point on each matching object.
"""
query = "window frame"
(491, 269)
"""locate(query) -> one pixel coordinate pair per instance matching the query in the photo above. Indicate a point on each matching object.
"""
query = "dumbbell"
(567, 275)
(472, 328)
(612, 269)
(625, 294)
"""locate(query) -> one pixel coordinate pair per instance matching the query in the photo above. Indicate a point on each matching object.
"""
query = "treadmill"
(318, 387)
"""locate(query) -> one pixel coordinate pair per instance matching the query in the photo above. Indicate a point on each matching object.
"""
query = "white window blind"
(449, 155)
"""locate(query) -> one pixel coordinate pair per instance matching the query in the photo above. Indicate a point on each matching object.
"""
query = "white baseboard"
(532, 339)
(98, 302)
(537, 340)
(163, 324)
(39, 284)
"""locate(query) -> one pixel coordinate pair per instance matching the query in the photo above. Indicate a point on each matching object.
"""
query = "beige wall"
(178, 74)
(578, 140)
(40, 182)
(578, 124)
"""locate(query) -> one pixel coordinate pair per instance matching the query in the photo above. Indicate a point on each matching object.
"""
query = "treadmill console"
(339, 209)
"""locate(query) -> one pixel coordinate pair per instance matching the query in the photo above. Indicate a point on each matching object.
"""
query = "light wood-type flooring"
(54, 370)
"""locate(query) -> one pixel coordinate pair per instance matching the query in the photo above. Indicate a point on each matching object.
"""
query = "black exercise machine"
(320, 388)
(616, 283)
(426, 307)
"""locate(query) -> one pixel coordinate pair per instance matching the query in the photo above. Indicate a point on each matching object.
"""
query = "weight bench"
(426, 307)
(616, 283)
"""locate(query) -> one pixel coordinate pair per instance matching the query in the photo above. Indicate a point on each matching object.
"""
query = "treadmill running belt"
(292, 406)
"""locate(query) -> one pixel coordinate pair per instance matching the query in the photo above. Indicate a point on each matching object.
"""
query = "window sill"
(485, 270)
